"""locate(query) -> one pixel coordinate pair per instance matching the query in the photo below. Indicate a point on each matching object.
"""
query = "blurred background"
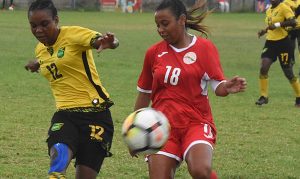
(138, 5)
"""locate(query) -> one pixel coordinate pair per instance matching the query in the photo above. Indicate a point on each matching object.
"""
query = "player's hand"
(108, 40)
(261, 32)
(236, 84)
(33, 66)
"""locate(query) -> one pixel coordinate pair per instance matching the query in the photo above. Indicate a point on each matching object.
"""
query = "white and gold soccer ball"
(145, 131)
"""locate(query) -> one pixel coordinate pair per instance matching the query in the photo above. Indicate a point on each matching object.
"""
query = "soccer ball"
(145, 131)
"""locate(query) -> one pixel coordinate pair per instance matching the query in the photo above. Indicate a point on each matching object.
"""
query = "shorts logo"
(264, 50)
(190, 58)
(56, 126)
(207, 132)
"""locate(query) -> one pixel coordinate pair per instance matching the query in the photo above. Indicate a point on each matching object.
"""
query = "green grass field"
(253, 142)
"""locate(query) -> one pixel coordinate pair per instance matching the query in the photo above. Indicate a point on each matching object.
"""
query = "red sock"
(213, 175)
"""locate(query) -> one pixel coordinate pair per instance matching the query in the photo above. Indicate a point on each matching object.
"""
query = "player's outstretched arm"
(234, 85)
(107, 40)
(33, 66)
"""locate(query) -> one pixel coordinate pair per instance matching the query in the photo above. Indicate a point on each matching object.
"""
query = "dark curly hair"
(43, 5)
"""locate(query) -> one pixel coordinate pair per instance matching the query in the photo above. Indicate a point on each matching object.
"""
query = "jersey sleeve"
(213, 66)
(84, 37)
(145, 79)
(288, 12)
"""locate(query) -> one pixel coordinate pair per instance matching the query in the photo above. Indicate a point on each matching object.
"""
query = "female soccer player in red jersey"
(175, 78)
(82, 127)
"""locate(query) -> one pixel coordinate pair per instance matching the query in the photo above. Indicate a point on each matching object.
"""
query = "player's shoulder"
(157, 46)
(284, 6)
(40, 47)
(71, 29)
(204, 42)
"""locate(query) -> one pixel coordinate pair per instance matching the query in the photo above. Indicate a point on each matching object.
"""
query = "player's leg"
(198, 150)
(61, 143)
(61, 156)
(292, 37)
(287, 63)
(199, 161)
(268, 56)
(161, 166)
(96, 133)
(298, 45)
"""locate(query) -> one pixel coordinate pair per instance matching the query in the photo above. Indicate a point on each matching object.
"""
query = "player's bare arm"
(105, 41)
(234, 85)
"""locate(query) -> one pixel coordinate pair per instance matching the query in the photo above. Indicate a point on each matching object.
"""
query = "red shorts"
(182, 139)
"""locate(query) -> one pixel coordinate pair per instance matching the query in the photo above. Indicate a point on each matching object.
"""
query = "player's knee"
(289, 75)
(59, 158)
(200, 172)
(293, 80)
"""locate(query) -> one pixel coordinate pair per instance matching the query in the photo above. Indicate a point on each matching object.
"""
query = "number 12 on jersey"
(172, 75)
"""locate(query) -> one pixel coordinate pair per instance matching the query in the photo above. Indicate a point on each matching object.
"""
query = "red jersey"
(178, 80)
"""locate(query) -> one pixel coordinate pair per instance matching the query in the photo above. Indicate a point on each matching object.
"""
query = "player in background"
(175, 77)
(294, 33)
(277, 45)
(82, 127)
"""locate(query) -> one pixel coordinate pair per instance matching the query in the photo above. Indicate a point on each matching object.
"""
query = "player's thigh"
(161, 166)
(63, 130)
(286, 53)
(199, 157)
(198, 145)
(95, 140)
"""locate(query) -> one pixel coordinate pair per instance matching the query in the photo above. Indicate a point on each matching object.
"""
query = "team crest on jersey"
(61, 52)
(190, 58)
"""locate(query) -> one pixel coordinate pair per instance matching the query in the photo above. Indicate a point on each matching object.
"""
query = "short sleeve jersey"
(278, 14)
(291, 3)
(178, 80)
(69, 67)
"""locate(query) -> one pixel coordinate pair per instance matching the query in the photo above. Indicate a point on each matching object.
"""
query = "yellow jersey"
(69, 67)
(278, 14)
(291, 3)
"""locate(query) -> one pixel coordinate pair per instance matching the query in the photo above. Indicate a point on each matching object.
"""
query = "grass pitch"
(253, 142)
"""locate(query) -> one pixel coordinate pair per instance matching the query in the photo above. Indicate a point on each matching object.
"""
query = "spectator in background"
(11, 5)
(224, 5)
(137, 6)
(123, 5)
(130, 4)
(260, 6)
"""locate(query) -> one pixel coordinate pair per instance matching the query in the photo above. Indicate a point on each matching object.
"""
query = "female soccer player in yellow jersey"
(82, 127)
(277, 45)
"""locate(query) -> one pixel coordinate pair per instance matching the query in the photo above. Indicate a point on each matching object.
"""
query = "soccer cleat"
(297, 102)
(262, 100)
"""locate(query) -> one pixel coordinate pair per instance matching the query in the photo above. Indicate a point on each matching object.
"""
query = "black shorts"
(281, 49)
(294, 34)
(88, 134)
